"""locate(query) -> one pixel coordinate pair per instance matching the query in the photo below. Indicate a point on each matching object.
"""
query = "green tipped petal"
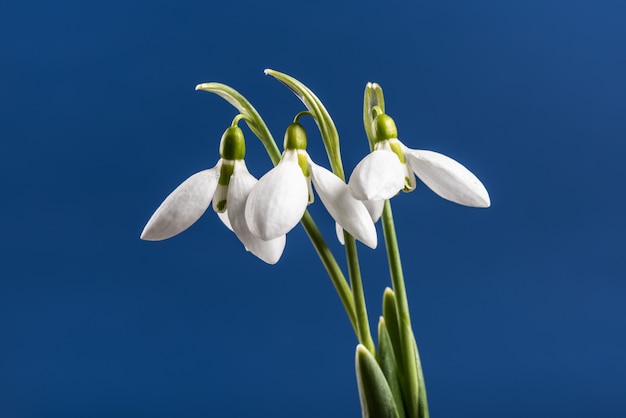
(377, 401)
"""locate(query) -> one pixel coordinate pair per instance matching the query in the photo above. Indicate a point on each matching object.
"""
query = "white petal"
(375, 208)
(379, 176)
(448, 178)
(183, 206)
(339, 232)
(241, 183)
(224, 218)
(278, 201)
(349, 212)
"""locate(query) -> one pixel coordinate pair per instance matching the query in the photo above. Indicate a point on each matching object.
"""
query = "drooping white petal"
(448, 178)
(375, 208)
(339, 232)
(183, 206)
(241, 183)
(224, 218)
(378, 176)
(349, 212)
(278, 201)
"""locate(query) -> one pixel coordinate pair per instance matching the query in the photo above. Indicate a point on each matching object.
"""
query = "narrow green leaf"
(391, 323)
(244, 107)
(327, 128)
(422, 400)
(387, 361)
(390, 313)
(376, 398)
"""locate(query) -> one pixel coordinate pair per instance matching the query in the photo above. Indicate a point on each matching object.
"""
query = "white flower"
(392, 167)
(280, 198)
(228, 185)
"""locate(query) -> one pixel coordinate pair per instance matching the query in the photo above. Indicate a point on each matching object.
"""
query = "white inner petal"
(241, 183)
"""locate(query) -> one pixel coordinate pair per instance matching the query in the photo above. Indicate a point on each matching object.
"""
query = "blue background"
(519, 310)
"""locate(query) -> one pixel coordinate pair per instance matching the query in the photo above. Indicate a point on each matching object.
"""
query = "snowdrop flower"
(228, 185)
(278, 201)
(392, 167)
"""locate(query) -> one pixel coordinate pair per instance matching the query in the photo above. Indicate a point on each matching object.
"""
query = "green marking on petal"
(219, 198)
(396, 148)
(407, 185)
(303, 162)
(225, 172)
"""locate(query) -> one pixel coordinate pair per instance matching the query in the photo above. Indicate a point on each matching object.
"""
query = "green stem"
(260, 129)
(404, 319)
(363, 328)
(332, 268)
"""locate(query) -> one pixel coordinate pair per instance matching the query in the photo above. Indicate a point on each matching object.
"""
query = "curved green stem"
(260, 129)
(296, 118)
(354, 272)
(330, 137)
(332, 268)
(240, 116)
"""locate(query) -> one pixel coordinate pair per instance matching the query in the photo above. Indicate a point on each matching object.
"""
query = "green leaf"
(387, 361)
(327, 128)
(390, 313)
(422, 402)
(376, 398)
(253, 119)
(414, 408)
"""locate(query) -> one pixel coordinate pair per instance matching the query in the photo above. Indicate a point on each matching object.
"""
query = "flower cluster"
(261, 212)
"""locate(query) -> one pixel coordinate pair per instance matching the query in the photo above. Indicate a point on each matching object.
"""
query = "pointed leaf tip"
(376, 398)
